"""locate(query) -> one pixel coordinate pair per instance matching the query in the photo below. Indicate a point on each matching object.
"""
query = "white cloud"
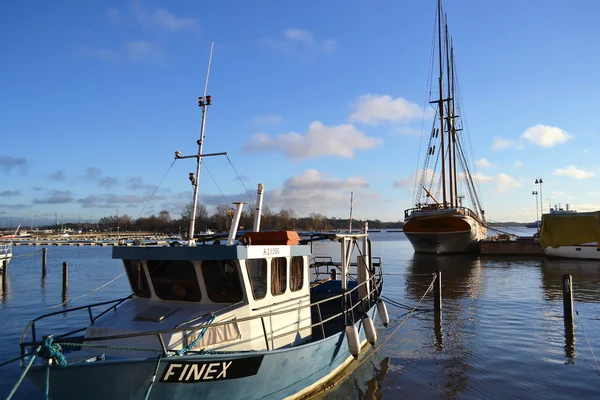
(573, 172)
(501, 143)
(313, 191)
(320, 140)
(504, 183)
(373, 108)
(158, 18)
(483, 163)
(135, 50)
(517, 164)
(300, 40)
(407, 130)
(479, 177)
(99, 53)
(266, 119)
(545, 136)
(408, 183)
(141, 49)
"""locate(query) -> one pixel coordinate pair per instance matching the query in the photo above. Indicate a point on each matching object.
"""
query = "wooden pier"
(522, 246)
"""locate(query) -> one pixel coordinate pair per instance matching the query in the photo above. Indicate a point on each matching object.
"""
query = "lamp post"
(536, 207)
(539, 182)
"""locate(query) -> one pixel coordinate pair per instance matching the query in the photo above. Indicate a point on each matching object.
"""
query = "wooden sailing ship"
(445, 225)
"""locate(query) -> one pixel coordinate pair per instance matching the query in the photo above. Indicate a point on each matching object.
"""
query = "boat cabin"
(175, 287)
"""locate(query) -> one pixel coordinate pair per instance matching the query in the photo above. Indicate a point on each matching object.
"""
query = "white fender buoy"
(370, 331)
(353, 343)
(383, 314)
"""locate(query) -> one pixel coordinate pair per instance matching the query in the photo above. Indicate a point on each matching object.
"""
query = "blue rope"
(25, 371)
(47, 388)
(52, 351)
(195, 342)
(147, 394)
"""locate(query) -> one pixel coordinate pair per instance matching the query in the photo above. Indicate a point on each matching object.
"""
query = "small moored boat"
(571, 234)
(258, 316)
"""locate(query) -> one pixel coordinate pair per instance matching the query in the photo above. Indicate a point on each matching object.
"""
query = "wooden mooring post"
(65, 278)
(437, 311)
(44, 251)
(4, 271)
(567, 286)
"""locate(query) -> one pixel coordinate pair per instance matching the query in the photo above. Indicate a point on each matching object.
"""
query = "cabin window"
(257, 271)
(297, 273)
(222, 281)
(137, 278)
(174, 280)
(278, 275)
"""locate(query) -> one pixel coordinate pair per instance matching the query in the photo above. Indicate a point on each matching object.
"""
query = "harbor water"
(501, 335)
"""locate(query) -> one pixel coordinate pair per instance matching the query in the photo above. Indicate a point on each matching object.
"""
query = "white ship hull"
(588, 251)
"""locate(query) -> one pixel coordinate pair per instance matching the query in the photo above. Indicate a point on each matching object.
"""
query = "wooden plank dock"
(522, 246)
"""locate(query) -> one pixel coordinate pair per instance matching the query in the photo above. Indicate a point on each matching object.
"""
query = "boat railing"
(320, 261)
(432, 207)
(375, 281)
(5, 248)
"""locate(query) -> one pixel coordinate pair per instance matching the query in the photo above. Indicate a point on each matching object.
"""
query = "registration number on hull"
(206, 371)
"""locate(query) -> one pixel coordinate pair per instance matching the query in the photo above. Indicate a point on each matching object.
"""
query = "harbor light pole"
(536, 208)
(539, 182)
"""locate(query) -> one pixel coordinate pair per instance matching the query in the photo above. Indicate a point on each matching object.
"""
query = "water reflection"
(461, 282)
(461, 275)
(5, 285)
(569, 341)
(585, 274)
(374, 385)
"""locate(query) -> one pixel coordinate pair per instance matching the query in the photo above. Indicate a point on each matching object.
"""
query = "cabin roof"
(207, 252)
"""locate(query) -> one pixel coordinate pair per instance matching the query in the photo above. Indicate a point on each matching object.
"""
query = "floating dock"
(527, 246)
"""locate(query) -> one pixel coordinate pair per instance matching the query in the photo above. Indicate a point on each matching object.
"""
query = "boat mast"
(454, 138)
(441, 103)
(451, 176)
(203, 102)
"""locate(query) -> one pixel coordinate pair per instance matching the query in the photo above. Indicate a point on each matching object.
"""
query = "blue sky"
(314, 99)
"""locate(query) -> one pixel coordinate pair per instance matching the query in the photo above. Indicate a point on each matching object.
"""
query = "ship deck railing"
(434, 207)
(5, 248)
(375, 280)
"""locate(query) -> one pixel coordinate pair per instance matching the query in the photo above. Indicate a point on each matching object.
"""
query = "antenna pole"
(203, 102)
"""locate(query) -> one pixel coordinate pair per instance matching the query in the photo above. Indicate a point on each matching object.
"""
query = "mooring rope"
(343, 377)
(149, 389)
(588, 342)
(27, 254)
(25, 371)
(83, 295)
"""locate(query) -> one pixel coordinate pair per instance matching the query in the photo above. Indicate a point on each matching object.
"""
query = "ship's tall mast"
(203, 103)
(441, 103)
(450, 124)
(454, 138)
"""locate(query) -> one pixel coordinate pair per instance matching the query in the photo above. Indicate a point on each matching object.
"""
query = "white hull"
(590, 251)
(5, 254)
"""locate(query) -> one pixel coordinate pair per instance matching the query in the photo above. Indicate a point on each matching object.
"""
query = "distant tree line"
(220, 221)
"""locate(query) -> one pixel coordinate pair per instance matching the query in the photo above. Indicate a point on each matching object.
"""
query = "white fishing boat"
(445, 225)
(571, 234)
(5, 254)
(6, 248)
(257, 316)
